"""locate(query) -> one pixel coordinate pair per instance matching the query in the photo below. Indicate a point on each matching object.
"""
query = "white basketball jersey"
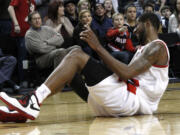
(112, 98)
(152, 83)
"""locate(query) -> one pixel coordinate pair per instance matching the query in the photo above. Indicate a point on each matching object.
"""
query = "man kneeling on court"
(115, 89)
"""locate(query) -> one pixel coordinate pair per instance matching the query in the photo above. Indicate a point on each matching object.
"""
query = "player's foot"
(28, 105)
(8, 115)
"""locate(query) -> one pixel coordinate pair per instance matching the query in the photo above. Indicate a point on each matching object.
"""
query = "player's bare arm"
(155, 54)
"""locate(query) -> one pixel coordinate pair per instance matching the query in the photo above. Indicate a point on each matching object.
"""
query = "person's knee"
(69, 49)
(74, 47)
(75, 52)
(63, 52)
(78, 54)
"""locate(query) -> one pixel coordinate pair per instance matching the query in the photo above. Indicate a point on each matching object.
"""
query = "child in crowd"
(109, 8)
(165, 14)
(119, 40)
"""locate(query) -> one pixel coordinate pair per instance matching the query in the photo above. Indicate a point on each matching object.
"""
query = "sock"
(42, 92)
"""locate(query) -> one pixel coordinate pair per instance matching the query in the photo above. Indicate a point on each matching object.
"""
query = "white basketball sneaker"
(27, 105)
(8, 115)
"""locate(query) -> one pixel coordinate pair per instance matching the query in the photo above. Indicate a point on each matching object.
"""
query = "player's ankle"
(42, 92)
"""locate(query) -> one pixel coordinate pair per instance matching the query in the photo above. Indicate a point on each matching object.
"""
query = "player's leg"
(95, 71)
(29, 105)
(79, 87)
(73, 63)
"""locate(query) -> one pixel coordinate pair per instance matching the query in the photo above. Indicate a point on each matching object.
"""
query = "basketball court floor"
(66, 114)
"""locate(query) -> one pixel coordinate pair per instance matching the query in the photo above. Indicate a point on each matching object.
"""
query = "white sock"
(42, 92)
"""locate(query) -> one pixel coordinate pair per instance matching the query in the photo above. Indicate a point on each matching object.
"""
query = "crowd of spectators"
(59, 23)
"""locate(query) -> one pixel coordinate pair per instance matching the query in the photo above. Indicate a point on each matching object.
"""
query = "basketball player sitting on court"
(115, 89)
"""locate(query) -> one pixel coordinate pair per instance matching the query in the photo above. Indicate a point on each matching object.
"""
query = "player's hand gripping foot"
(8, 115)
(28, 105)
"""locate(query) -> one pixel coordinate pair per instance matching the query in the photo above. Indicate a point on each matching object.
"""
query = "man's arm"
(36, 45)
(14, 19)
(153, 55)
(56, 39)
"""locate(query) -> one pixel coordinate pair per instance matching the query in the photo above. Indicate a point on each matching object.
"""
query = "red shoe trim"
(17, 109)
(12, 117)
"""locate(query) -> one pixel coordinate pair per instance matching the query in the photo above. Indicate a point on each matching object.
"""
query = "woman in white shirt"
(174, 20)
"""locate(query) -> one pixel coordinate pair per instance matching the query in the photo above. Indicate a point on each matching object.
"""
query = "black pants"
(93, 73)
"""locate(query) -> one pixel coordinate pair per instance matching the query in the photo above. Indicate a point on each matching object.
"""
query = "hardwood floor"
(66, 114)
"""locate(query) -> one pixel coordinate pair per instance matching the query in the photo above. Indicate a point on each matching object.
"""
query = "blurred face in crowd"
(70, 8)
(118, 21)
(140, 32)
(36, 21)
(86, 18)
(178, 5)
(148, 9)
(99, 11)
(166, 13)
(131, 14)
(163, 13)
(108, 5)
(84, 5)
(61, 10)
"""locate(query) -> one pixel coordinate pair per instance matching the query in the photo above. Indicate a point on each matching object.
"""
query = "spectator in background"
(158, 4)
(109, 8)
(119, 40)
(165, 14)
(148, 8)
(59, 22)
(131, 22)
(42, 8)
(44, 43)
(71, 12)
(131, 14)
(83, 4)
(6, 28)
(174, 20)
(7, 66)
(114, 4)
(166, 11)
(19, 10)
(139, 6)
(101, 23)
(85, 18)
